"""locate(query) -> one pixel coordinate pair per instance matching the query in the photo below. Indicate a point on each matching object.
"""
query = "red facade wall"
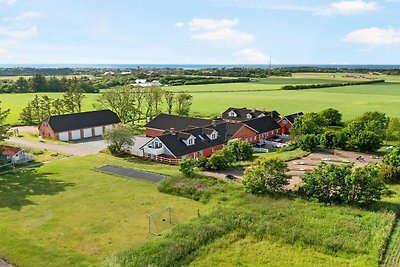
(245, 133)
(153, 132)
(286, 126)
(46, 132)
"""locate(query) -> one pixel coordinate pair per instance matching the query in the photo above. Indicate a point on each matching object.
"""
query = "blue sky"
(199, 32)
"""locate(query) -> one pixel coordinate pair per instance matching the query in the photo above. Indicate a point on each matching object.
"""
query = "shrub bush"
(308, 142)
(196, 189)
(187, 167)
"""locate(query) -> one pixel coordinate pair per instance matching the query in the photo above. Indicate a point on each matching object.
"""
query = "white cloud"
(8, 2)
(347, 8)
(218, 31)
(24, 16)
(284, 5)
(252, 56)
(374, 36)
(197, 24)
(228, 36)
(180, 24)
(18, 34)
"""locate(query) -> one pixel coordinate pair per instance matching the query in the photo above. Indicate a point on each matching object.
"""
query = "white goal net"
(161, 220)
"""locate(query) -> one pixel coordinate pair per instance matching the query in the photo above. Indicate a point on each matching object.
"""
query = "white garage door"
(63, 136)
(98, 131)
(87, 133)
(76, 135)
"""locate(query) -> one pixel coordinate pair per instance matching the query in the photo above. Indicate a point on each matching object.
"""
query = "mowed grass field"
(63, 215)
(352, 101)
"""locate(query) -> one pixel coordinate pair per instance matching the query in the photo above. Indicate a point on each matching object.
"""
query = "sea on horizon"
(197, 66)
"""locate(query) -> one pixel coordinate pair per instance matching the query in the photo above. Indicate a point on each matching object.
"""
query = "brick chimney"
(214, 122)
(253, 110)
(172, 131)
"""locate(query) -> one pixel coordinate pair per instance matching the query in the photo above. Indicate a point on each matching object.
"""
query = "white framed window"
(232, 114)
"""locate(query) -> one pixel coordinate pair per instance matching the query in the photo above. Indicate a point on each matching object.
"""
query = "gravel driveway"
(5, 264)
(87, 147)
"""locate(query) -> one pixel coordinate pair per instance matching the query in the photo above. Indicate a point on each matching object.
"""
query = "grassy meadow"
(61, 215)
(211, 100)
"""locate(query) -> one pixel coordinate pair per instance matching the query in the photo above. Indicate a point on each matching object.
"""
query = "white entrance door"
(76, 135)
(87, 133)
(63, 136)
(98, 131)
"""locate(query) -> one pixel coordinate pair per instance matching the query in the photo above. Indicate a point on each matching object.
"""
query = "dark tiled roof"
(293, 116)
(243, 112)
(208, 130)
(68, 122)
(167, 121)
(233, 128)
(9, 150)
(263, 124)
(176, 145)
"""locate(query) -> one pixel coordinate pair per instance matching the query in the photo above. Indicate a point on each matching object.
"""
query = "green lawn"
(352, 101)
(16, 102)
(64, 215)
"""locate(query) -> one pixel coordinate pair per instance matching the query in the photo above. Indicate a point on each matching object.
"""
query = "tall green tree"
(331, 116)
(38, 83)
(121, 100)
(169, 100)
(22, 85)
(4, 127)
(309, 123)
(393, 130)
(267, 175)
(183, 104)
(119, 138)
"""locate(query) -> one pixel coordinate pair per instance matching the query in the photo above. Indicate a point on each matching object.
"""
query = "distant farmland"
(351, 101)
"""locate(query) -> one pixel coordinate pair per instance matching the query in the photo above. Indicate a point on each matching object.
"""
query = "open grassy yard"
(61, 215)
(64, 215)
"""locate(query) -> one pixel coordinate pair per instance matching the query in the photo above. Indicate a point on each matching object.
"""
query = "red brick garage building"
(78, 125)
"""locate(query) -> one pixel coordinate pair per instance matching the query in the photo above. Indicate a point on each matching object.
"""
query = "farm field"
(352, 101)
(61, 215)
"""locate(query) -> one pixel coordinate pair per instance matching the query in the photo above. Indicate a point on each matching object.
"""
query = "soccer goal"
(161, 220)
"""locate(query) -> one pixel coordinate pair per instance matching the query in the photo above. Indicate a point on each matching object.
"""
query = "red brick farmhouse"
(78, 125)
(170, 146)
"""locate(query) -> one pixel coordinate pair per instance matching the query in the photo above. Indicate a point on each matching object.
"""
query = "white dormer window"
(261, 115)
(249, 116)
(213, 135)
(232, 114)
(190, 141)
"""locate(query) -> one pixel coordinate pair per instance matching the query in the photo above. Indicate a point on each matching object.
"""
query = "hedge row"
(326, 85)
